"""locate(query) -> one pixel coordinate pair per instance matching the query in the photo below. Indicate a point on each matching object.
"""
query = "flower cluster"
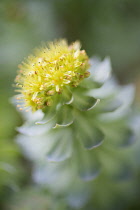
(44, 75)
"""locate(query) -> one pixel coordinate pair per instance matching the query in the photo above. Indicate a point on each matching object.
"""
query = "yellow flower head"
(51, 69)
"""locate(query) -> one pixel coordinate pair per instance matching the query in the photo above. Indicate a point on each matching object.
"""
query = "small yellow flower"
(51, 69)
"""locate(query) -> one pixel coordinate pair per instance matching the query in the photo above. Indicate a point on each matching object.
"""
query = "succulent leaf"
(100, 71)
(85, 103)
(30, 129)
(88, 166)
(50, 114)
(61, 148)
(67, 97)
(64, 116)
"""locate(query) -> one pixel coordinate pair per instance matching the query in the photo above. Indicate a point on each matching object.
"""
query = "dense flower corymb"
(51, 69)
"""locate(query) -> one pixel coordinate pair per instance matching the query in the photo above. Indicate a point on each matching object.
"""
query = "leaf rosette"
(87, 123)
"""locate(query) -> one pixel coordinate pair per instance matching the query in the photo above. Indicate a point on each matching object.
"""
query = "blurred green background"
(105, 28)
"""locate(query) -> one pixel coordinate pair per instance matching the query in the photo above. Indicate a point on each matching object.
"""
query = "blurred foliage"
(32, 198)
(104, 28)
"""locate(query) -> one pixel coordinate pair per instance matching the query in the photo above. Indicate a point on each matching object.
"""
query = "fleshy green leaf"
(89, 135)
(78, 195)
(31, 129)
(85, 103)
(88, 166)
(119, 134)
(92, 139)
(49, 115)
(108, 89)
(129, 138)
(67, 97)
(57, 176)
(61, 148)
(126, 97)
(64, 116)
(89, 174)
(100, 70)
(111, 105)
